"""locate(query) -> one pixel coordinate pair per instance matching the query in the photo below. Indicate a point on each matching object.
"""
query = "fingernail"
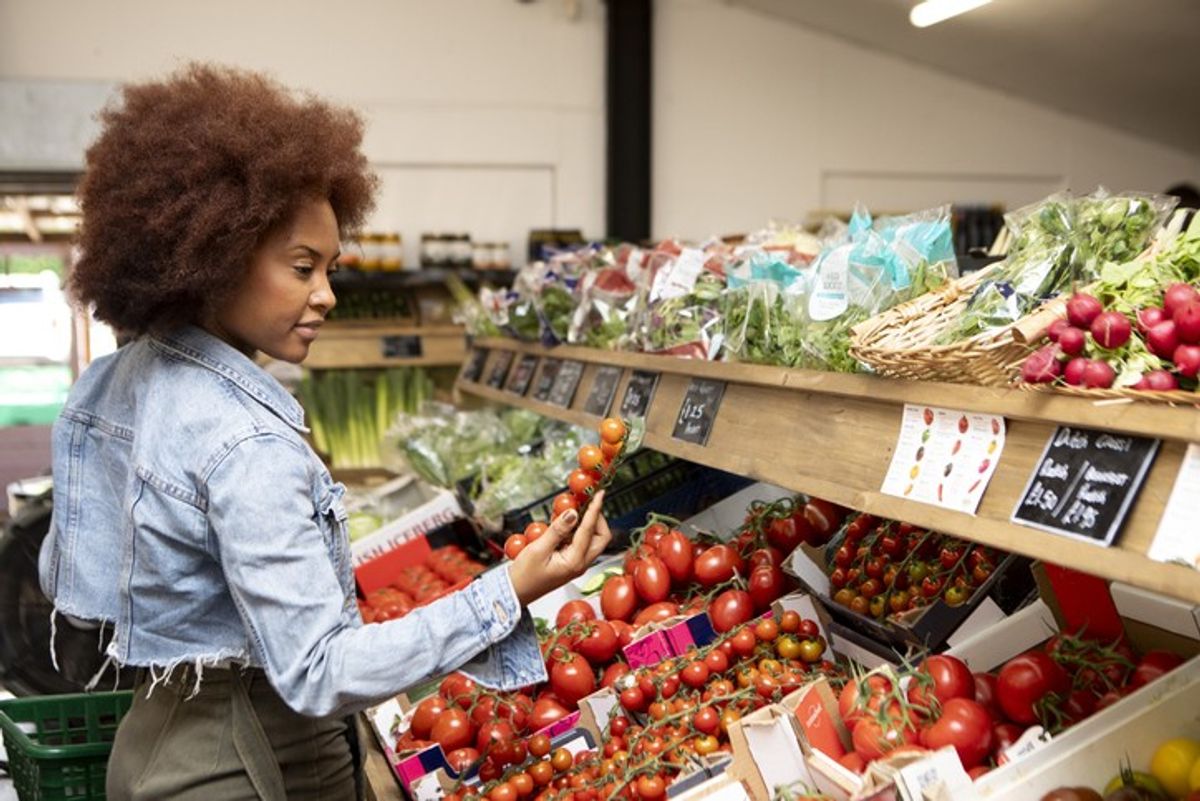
(569, 517)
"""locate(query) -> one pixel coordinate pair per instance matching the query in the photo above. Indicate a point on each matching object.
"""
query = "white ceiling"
(1130, 64)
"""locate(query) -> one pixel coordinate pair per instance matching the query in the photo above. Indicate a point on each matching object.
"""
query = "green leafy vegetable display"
(1059, 243)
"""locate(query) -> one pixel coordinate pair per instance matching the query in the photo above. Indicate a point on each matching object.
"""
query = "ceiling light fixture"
(931, 12)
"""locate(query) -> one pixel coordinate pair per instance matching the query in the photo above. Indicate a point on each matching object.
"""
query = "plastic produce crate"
(678, 488)
(65, 756)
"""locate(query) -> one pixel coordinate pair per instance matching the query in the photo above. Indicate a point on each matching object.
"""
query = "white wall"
(756, 118)
(484, 116)
(488, 115)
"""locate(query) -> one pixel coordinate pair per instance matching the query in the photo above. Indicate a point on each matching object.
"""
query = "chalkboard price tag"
(500, 369)
(566, 383)
(545, 381)
(604, 388)
(1085, 483)
(518, 383)
(401, 346)
(699, 410)
(473, 368)
(638, 394)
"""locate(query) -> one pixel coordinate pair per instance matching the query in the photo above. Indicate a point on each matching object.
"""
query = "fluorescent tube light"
(931, 12)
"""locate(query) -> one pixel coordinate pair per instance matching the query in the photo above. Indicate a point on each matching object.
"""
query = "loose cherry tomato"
(582, 482)
(591, 458)
(514, 545)
(612, 430)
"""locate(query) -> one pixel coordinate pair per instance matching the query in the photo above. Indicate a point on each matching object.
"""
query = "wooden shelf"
(832, 435)
(357, 343)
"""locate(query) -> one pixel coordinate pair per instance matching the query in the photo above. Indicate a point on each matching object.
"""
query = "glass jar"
(501, 258)
(433, 250)
(391, 252)
(481, 256)
(460, 250)
(372, 252)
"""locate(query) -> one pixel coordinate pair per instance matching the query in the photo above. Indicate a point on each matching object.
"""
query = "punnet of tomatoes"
(940, 702)
(444, 570)
(667, 716)
(890, 573)
(1172, 775)
(598, 466)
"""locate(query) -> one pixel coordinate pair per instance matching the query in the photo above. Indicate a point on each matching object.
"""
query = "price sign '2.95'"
(1085, 483)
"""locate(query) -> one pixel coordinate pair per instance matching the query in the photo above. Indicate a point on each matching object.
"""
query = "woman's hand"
(542, 566)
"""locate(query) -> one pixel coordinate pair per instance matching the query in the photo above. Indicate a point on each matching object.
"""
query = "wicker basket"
(900, 341)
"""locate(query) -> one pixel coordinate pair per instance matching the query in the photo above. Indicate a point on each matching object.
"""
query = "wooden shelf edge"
(1139, 418)
(1126, 564)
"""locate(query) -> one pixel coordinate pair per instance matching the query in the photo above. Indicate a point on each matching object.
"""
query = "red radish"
(1073, 372)
(1187, 360)
(1162, 339)
(1042, 366)
(1111, 330)
(1082, 309)
(1098, 374)
(1159, 380)
(1072, 340)
(1149, 317)
(1187, 322)
(1056, 328)
(1178, 294)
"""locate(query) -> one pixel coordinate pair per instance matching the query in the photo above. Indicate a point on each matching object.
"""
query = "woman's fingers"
(576, 553)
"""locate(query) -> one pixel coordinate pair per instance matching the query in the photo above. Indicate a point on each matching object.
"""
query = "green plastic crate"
(66, 754)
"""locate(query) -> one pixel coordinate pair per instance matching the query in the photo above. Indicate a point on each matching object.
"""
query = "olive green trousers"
(234, 739)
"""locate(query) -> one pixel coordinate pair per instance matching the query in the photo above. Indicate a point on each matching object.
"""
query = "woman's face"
(282, 300)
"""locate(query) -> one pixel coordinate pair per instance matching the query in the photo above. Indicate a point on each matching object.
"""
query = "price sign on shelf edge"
(1085, 483)
(499, 371)
(473, 368)
(604, 389)
(518, 384)
(698, 412)
(639, 393)
(545, 379)
(566, 383)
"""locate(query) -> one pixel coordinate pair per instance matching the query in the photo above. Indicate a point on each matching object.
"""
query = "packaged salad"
(682, 311)
(609, 295)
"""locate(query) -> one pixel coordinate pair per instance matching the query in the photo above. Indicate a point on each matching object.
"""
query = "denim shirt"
(190, 513)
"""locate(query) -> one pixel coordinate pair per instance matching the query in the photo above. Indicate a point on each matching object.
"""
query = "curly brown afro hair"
(189, 175)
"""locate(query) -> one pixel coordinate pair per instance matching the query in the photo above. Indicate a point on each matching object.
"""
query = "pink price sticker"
(648, 650)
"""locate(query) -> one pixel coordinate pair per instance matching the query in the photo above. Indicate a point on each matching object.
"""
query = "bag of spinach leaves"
(1060, 243)
(682, 315)
(764, 310)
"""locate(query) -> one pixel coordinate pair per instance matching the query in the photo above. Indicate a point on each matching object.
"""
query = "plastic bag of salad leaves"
(1060, 243)
(555, 298)
(682, 315)
(764, 309)
(608, 298)
(921, 248)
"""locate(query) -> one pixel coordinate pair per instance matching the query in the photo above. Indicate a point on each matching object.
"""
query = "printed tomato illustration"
(963, 425)
(929, 417)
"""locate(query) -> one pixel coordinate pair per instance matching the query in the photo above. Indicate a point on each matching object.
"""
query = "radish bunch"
(1100, 348)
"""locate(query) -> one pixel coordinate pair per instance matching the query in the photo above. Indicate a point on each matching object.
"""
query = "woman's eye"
(303, 270)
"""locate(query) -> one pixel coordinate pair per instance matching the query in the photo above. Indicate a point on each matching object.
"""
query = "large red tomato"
(677, 553)
(853, 703)
(600, 643)
(656, 613)
(944, 677)
(572, 611)
(1152, 665)
(716, 564)
(782, 533)
(1027, 679)
(458, 688)
(452, 730)
(613, 672)
(985, 693)
(618, 598)
(426, 715)
(546, 711)
(873, 739)
(494, 733)
(651, 580)
(571, 677)
(730, 609)
(967, 726)
(766, 584)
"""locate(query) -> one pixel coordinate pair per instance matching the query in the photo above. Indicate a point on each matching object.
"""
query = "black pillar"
(629, 52)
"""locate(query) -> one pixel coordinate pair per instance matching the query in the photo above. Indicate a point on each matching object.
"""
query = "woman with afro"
(190, 514)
